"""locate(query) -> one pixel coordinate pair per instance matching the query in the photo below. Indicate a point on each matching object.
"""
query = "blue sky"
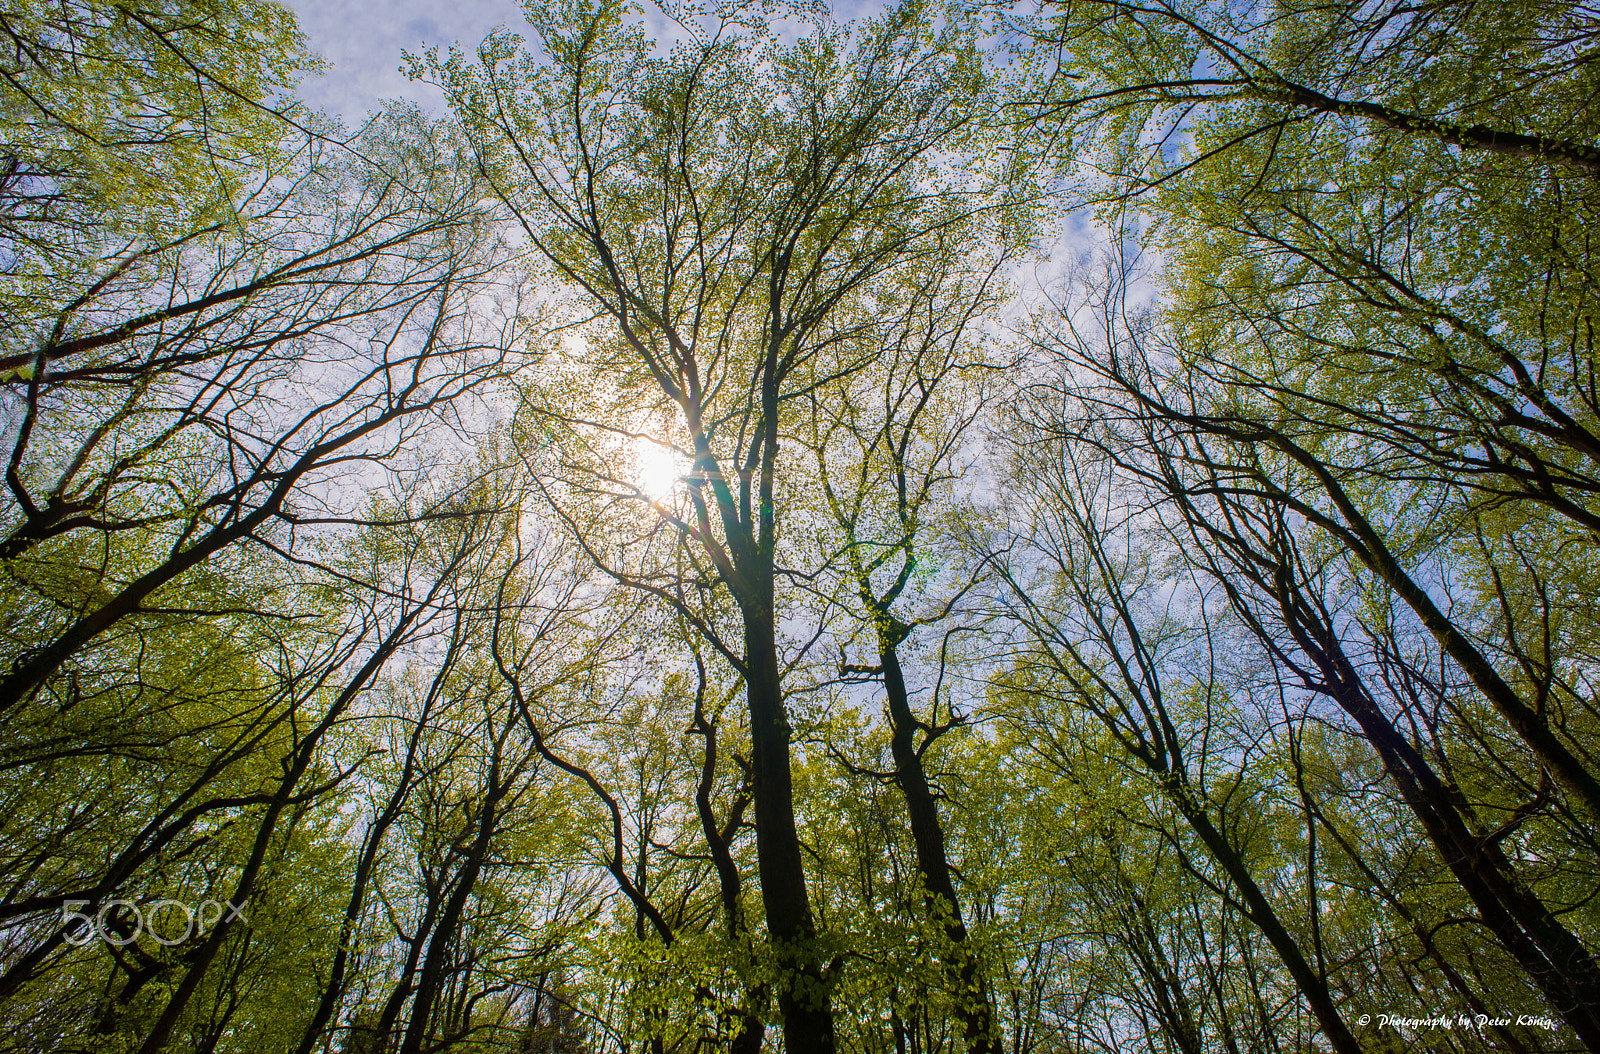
(363, 41)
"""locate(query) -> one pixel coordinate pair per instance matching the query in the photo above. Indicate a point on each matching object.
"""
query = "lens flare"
(655, 468)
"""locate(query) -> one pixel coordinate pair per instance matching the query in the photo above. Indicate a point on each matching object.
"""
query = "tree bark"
(752, 1030)
(802, 989)
(1313, 986)
(450, 921)
(922, 811)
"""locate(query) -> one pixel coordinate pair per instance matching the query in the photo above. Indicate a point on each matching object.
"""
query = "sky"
(363, 41)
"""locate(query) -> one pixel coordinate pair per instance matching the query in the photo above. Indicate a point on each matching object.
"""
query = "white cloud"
(364, 41)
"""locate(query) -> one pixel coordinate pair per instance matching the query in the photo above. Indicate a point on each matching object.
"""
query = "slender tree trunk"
(1313, 986)
(466, 881)
(1364, 541)
(334, 989)
(162, 1030)
(1551, 954)
(405, 984)
(752, 1030)
(1425, 937)
(1554, 957)
(977, 1015)
(243, 890)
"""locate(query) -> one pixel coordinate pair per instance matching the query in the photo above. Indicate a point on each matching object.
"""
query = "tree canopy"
(980, 528)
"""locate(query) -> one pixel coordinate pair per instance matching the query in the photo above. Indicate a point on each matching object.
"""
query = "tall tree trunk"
(752, 1030)
(333, 991)
(1556, 959)
(977, 1015)
(244, 889)
(1313, 986)
(802, 989)
(450, 921)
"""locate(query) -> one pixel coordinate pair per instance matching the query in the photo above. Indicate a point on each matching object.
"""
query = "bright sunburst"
(655, 468)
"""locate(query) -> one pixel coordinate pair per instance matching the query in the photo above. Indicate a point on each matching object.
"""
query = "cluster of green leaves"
(131, 123)
(1360, 407)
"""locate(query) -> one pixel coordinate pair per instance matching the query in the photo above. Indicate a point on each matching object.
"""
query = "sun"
(655, 468)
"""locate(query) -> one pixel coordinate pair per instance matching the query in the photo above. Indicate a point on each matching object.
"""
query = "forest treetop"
(615, 566)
